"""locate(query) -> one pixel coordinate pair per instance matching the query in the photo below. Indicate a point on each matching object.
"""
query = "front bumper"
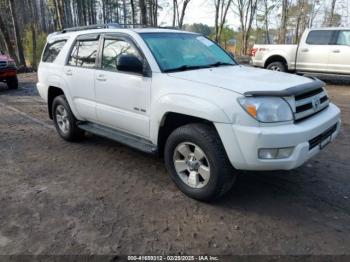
(243, 142)
(6, 73)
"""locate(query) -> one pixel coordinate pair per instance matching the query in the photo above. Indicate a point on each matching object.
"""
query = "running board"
(121, 137)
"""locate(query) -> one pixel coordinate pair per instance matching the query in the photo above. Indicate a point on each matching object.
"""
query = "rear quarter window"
(52, 50)
(320, 37)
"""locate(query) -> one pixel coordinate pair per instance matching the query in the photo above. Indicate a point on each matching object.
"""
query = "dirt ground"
(100, 197)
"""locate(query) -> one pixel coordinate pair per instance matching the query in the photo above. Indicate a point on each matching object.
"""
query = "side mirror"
(129, 63)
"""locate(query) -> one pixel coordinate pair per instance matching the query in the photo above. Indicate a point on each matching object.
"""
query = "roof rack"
(112, 26)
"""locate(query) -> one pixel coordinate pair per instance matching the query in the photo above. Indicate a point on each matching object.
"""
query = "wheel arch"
(173, 120)
(183, 109)
(276, 58)
(52, 92)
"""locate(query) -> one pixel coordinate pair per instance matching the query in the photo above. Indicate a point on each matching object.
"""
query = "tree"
(33, 32)
(246, 11)
(331, 13)
(59, 13)
(143, 12)
(133, 11)
(267, 7)
(221, 10)
(283, 26)
(17, 31)
(179, 12)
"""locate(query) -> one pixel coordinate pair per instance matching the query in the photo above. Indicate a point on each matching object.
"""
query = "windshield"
(181, 51)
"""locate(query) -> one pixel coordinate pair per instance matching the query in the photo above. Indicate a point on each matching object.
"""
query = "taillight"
(253, 52)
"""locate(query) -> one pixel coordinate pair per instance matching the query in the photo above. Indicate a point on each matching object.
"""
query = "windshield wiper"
(185, 68)
(220, 64)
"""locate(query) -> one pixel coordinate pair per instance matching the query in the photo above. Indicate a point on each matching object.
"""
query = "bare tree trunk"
(174, 12)
(33, 31)
(150, 12)
(155, 12)
(331, 13)
(284, 18)
(224, 10)
(125, 13)
(59, 12)
(217, 4)
(183, 12)
(143, 11)
(133, 11)
(266, 22)
(18, 38)
(43, 16)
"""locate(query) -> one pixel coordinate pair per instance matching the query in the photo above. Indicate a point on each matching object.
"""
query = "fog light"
(275, 153)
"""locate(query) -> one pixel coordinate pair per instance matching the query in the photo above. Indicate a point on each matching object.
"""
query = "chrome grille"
(310, 103)
(3, 64)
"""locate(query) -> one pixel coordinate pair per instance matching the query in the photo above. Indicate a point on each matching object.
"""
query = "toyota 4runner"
(182, 96)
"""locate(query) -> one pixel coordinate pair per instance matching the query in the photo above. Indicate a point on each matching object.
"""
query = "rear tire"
(64, 120)
(206, 156)
(12, 82)
(277, 66)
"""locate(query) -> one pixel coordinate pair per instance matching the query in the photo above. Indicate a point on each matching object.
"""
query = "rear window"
(52, 51)
(319, 37)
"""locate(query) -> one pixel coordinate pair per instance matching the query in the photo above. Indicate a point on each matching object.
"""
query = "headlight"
(267, 109)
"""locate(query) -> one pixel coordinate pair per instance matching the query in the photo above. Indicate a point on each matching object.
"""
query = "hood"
(5, 58)
(243, 79)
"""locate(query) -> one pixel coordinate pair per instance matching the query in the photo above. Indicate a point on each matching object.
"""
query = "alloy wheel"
(191, 165)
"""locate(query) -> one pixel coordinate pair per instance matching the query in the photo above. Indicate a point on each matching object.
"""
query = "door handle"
(101, 78)
(305, 50)
(336, 51)
(69, 72)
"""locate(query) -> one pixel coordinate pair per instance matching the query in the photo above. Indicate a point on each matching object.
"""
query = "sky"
(198, 11)
(203, 11)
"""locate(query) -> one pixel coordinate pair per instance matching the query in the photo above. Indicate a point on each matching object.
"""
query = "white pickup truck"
(324, 51)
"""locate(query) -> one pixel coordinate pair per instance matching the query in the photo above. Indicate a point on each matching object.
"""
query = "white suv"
(180, 95)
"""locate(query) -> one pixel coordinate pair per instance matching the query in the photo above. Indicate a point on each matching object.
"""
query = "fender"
(187, 105)
(59, 82)
(277, 52)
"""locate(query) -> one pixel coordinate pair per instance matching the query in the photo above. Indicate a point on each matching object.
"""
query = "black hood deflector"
(291, 91)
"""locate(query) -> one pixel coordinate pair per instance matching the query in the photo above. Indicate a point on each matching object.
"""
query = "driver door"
(122, 98)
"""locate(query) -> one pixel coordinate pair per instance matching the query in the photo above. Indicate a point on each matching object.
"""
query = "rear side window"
(52, 51)
(84, 53)
(319, 37)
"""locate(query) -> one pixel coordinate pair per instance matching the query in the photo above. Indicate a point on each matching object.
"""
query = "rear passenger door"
(339, 58)
(122, 98)
(313, 52)
(79, 74)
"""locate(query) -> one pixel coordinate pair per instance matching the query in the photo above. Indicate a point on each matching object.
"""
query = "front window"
(183, 51)
(113, 48)
(343, 38)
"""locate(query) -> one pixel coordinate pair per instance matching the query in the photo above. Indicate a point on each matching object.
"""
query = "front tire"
(64, 120)
(197, 162)
(12, 82)
(277, 66)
